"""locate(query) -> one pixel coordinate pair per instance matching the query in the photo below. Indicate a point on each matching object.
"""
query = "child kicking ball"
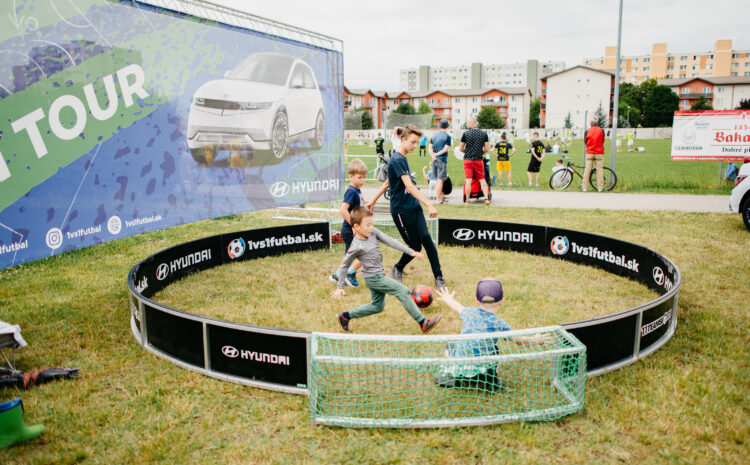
(365, 248)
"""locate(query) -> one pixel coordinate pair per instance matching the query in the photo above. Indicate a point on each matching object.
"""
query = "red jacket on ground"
(594, 140)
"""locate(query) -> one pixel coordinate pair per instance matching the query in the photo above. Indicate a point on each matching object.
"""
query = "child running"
(352, 199)
(365, 248)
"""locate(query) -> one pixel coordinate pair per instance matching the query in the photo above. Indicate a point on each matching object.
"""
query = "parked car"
(739, 201)
(265, 103)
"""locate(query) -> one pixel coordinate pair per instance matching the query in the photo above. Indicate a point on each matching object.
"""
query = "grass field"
(649, 171)
(686, 403)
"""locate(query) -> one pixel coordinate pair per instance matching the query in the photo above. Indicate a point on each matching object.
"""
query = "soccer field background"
(649, 171)
(686, 403)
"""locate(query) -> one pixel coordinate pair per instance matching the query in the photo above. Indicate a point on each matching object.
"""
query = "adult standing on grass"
(405, 207)
(594, 140)
(440, 144)
(423, 145)
(537, 155)
(474, 144)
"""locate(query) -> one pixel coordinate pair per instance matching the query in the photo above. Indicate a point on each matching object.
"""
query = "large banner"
(117, 118)
(711, 135)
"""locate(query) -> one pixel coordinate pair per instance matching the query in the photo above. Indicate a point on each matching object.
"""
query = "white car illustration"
(266, 102)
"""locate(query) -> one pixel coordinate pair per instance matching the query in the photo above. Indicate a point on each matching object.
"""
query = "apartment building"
(455, 105)
(722, 61)
(723, 93)
(477, 76)
(578, 91)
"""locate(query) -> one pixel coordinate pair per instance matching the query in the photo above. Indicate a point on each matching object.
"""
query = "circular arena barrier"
(280, 359)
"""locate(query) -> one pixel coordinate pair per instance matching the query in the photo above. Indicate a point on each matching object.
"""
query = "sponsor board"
(283, 189)
(560, 245)
(273, 358)
(711, 135)
(182, 263)
(528, 238)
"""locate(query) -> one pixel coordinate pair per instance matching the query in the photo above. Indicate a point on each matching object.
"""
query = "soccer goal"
(446, 380)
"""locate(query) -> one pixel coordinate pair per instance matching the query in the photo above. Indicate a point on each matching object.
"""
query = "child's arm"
(412, 189)
(344, 210)
(394, 244)
(448, 297)
(424, 169)
(371, 204)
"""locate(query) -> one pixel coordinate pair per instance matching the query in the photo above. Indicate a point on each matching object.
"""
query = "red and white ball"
(422, 295)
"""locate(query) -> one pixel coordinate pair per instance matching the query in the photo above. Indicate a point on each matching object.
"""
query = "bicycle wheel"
(610, 179)
(561, 179)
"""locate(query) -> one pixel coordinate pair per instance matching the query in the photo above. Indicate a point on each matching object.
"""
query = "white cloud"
(382, 37)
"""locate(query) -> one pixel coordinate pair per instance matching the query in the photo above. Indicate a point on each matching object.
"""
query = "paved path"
(594, 200)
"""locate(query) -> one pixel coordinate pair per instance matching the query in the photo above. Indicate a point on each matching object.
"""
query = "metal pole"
(585, 122)
(617, 92)
(721, 165)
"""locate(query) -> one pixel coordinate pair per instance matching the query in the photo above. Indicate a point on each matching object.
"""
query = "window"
(647, 60)
(747, 64)
(446, 101)
(685, 90)
(458, 111)
(720, 102)
(734, 74)
(710, 57)
(683, 67)
(706, 90)
(735, 65)
(432, 101)
(635, 68)
(474, 100)
(683, 58)
(696, 57)
(646, 68)
(670, 68)
(684, 103)
(670, 58)
(669, 76)
(735, 55)
(695, 67)
(747, 73)
(458, 100)
(635, 60)
(474, 110)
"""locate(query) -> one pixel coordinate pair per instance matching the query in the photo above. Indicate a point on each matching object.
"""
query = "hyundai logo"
(230, 351)
(162, 271)
(463, 234)
(279, 189)
(658, 275)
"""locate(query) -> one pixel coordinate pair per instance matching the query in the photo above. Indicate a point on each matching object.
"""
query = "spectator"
(730, 174)
(535, 163)
(440, 144)
(422, 145)
(474, 144)
(594, 140)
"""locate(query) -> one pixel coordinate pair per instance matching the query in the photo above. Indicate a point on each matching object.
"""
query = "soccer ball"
(236, 248)
(559, 245)
(422, 295)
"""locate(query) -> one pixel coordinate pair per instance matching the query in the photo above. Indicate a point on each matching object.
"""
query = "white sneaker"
(529, 184)
(537, 184)
(510, 184)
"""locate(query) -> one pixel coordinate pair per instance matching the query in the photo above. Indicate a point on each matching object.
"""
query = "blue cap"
(489, 291)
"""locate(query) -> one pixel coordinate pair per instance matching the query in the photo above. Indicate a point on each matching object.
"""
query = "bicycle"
(561, 179)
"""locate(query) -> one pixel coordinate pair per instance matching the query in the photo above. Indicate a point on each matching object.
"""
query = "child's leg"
(387, 285)
(378, 300)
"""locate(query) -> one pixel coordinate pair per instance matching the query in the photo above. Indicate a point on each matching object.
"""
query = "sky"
(380, 38)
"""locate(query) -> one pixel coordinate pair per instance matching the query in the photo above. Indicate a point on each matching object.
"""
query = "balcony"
(440, 105)
(367, 105)
(494, 104)
(689, 96)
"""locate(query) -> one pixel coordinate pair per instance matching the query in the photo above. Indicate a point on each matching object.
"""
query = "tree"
(601, 118)
(701, 104)
(744, 104)
(659, 107)
(534, 108)
(424, 109)
(628, 116)
(489, 119)
(367, 122)
(405, 109)
(568, 122)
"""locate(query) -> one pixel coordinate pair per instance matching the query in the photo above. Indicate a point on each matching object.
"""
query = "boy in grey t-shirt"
(365, 247)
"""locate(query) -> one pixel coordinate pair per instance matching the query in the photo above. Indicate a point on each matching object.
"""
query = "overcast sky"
(380, 38)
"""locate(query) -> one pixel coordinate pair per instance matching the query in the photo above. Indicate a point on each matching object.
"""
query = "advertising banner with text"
(118, 118)
(711, 135)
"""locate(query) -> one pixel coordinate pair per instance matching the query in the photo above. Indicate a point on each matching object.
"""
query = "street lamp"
(628, 117)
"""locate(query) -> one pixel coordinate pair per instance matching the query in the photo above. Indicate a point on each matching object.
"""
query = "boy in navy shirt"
(405, 207)
(352, 199)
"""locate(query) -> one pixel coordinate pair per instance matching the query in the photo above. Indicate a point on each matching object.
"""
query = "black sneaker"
(343, 322)
(427, 325)
(439, 283)
(397, 274)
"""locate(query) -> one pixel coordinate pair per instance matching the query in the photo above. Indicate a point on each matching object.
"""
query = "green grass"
(686, 403)
(649, 171)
